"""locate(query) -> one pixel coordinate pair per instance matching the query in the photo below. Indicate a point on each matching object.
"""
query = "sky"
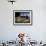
(25, 14)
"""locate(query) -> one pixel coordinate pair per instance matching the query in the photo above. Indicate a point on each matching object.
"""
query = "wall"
(9, 31)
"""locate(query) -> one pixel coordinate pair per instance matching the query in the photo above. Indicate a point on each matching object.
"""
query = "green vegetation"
(22, 20)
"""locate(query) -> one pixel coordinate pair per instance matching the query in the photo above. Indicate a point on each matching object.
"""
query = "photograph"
(22, 16)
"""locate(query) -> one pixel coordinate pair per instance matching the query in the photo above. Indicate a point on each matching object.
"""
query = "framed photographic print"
(22, 17)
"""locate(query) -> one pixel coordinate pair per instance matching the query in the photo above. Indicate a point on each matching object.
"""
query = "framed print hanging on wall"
(22, 17)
